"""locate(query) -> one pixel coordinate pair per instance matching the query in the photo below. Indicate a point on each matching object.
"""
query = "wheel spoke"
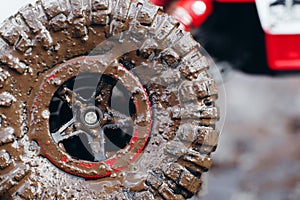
(120, 120)
(104, 92)
(70, 97)
(61, 137)
(66, 125)
(60, 134)
(97, 145)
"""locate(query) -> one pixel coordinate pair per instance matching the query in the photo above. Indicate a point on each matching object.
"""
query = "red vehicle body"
(280, 30)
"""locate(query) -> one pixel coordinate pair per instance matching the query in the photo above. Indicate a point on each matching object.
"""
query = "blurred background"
(258, 157)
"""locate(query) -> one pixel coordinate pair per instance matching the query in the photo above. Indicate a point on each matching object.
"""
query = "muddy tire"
(48, 127)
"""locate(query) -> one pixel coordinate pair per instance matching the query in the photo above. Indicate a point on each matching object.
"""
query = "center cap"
(91, 116)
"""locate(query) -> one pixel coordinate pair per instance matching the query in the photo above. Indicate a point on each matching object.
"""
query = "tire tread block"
(5, 159)
(6, 136)
(203, 136)
(181, 176)
(202, 160)
(13, 177)
(9, 32)
(51, 7)
(163, 25)
(168, 193)
(80, 8)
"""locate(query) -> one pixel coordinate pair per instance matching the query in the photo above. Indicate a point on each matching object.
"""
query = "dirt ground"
(258, 157)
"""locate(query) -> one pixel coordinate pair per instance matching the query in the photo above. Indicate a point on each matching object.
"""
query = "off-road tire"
(38, 40)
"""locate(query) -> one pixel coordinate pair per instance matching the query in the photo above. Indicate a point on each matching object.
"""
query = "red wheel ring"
(83, 168)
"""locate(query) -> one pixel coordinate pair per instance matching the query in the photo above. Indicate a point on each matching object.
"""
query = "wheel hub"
(83, 123)
(91, 116)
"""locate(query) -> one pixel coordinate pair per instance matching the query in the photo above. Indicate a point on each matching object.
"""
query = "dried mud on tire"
(44, 39)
